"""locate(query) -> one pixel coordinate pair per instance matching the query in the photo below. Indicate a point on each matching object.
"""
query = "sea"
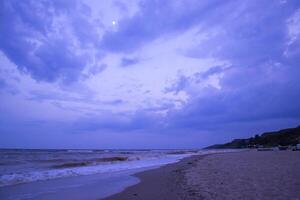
(50, 173)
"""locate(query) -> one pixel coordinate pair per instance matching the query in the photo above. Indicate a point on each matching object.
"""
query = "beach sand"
(239, 175)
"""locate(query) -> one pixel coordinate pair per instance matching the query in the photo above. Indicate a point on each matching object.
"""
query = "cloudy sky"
(146, 74)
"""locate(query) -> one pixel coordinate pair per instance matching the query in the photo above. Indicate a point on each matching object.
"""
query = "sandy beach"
(239, 175)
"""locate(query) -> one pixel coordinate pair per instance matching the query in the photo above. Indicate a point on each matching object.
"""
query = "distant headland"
(284, 137)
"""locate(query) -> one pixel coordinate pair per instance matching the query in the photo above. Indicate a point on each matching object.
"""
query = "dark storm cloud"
(154, 19)
(258, 87)
(25, 38)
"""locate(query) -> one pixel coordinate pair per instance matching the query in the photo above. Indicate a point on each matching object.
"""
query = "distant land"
(284, 137)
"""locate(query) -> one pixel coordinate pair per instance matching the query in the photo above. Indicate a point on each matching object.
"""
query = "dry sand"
(242, 175)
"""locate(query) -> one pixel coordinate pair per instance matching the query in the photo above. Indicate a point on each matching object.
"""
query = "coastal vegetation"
(284, 137)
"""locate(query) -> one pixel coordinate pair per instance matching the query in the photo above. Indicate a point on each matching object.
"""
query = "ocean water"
(22, 166)
(50, 174)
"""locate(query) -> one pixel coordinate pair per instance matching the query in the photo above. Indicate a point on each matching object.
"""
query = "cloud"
(2, 84)
(120, 122)
(42, 38)
(260, 84)
(268, 91)
(249, 34)
(125, 62)
(179, 85)
(94, 70)
(155, 19)
(252, 48)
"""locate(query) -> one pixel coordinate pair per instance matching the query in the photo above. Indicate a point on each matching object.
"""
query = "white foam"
(141, 162)
(16, 178)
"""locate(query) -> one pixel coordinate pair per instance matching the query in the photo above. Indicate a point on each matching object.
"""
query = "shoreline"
(236, 175)
(79, 187)
(228, 175)
(167, 181)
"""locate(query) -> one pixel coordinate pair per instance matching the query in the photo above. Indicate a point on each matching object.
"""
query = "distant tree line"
(283, 137)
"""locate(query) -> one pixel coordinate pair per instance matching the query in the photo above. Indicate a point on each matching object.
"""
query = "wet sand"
(239, 175)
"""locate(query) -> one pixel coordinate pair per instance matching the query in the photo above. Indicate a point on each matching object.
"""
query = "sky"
(146, 74)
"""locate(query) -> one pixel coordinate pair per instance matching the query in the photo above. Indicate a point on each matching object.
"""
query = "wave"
(79, 151)
(90, 162)
(182, 152)
(113, 164)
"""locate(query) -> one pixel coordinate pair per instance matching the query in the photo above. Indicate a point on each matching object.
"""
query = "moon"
(113, 23)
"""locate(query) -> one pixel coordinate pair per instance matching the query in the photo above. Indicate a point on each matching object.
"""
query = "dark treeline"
(283, 137)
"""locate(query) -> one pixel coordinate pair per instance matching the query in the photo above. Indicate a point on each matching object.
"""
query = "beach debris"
(283, 148)
(265, 149)
(296, 148)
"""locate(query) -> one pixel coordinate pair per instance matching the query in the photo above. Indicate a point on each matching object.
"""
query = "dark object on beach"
(282, 148)
(265, 149)
(296, 148)
(285, 137)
